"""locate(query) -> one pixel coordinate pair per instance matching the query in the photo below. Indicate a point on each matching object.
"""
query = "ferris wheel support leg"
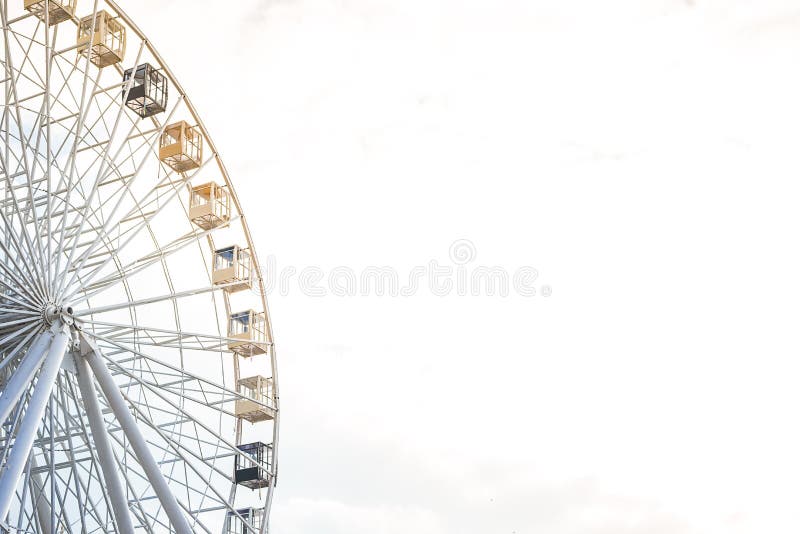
(140, 448)
(21, 449)
(23, 376)
(105, 453)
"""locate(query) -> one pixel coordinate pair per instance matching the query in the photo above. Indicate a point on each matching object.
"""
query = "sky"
(636, 158)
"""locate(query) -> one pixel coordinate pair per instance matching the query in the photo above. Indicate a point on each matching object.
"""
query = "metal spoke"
(155, 300)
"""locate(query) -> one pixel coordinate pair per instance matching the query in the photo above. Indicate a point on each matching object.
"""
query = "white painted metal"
(105, 453)
(18, 458)
(20, 381)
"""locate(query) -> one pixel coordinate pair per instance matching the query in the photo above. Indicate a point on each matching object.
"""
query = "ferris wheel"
(138, 378)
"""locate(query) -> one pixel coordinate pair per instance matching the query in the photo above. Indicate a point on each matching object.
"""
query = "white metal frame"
(117, 385)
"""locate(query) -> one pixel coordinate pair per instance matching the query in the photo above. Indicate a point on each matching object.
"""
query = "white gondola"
(104, 42)
(233, 268)
(210, 206)
(51, 11)
(181, 147)
(247, 333)
(258, 403)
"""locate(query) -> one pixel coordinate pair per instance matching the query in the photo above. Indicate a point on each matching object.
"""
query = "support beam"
(137, 442)
(105, 453)
(21, 448)
(23, 375)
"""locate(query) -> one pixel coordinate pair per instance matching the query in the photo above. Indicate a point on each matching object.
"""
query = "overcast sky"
(641, 155)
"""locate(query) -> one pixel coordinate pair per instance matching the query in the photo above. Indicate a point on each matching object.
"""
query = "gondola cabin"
(247, 333)
(103, 42)
(257, 403)
(252, 467)
(52, 12)
(233, 268)
(209, 206)
(244, 521)
(144, 89)
(181, 147)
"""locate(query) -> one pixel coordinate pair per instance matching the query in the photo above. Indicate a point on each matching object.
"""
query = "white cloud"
(306, 515)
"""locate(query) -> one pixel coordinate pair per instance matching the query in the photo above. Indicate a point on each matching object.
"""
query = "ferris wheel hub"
(52, 312)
